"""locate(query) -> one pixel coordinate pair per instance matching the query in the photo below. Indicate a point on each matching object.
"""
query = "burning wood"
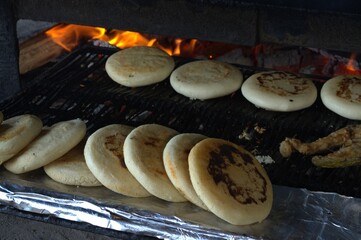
(36, 52)
(308, 61)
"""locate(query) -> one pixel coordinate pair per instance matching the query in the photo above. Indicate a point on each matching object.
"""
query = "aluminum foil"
(296, 213)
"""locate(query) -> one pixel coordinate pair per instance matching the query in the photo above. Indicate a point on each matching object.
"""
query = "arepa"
(16, 133)
(52, 143)
(139, 66)
(230, 181)
(104, 156)
(206, 79)
(71, 169)
(279, 91)
(143, 155)
(175, 157)
(342, 95)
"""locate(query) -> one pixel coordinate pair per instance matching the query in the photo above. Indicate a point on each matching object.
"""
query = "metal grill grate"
(78, 86)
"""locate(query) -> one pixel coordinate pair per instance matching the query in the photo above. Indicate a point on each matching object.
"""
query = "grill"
(78, 87)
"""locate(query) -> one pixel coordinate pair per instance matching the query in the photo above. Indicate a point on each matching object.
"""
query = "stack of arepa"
(26, 145)
(148, 160)
(154, 160)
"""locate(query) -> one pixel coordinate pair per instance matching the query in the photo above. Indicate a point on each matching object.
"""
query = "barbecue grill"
(78, 86)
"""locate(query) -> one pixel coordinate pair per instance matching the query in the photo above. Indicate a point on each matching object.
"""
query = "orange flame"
(350, 68)
(69, 36)
(351, 63)
(124, 39)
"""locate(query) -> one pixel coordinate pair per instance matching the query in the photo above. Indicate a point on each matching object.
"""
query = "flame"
(349, 66)
(124, 39)
(70, 36)
(351, 63)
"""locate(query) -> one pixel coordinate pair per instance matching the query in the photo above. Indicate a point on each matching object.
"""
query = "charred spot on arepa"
(226, 155)
(345, 85)
(113, 144)
(267, 81)
(7, 131)
(152, 141)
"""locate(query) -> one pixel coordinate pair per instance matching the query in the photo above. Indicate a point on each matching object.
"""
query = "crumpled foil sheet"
(296, 213)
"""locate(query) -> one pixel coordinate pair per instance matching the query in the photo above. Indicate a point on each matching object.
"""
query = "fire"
(351, 64)
(71, 35)
(313, 61)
